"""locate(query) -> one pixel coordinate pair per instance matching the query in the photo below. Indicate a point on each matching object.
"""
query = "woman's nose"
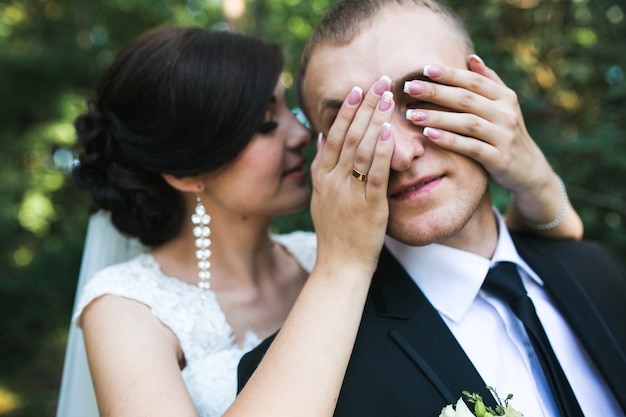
(299, 134)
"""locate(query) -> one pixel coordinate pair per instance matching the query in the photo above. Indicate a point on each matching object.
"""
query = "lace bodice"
(205, 336)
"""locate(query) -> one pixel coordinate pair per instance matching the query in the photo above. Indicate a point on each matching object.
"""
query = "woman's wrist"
(552, 223)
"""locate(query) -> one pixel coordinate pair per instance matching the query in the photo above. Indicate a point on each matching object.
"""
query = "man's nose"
(409, 143)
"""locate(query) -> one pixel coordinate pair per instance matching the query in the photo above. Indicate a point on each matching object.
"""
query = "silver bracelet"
(554, 223)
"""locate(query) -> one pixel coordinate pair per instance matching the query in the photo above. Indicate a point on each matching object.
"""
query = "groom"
(428, 330)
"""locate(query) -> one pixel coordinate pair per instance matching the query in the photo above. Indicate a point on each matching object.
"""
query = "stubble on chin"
(422, 230)
(440, 225)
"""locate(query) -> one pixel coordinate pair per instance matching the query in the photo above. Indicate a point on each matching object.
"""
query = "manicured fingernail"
(431, 133)
(385, 101)
(355, 96)
(432, 71)
(415, 115)
(476, 58)
(413, 87)
(320, 138)
(385, 131)
(382, 85)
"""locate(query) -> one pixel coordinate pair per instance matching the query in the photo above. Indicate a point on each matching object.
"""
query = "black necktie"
(504, 282)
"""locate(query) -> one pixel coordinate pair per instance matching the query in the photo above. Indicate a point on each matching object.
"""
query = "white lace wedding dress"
(204, 334)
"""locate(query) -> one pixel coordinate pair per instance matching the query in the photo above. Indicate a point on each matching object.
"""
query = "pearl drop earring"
(201, 231)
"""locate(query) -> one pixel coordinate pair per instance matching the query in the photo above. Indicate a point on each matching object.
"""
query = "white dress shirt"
(492, 337)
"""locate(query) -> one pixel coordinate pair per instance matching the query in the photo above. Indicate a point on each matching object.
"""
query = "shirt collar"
(450, 278)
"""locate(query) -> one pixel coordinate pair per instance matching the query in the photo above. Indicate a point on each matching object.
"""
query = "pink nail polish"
(355, 96)
(320, 138)
(432, 71)
(382, 85)
(431, 133)
(476, 58)
(385, 101)
(413, 87)
(385, 131)
(415, 115)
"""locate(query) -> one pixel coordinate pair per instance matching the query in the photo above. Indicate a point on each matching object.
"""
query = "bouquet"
(480, 410)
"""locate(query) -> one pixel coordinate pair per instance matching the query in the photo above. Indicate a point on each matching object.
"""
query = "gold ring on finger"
(359, 175)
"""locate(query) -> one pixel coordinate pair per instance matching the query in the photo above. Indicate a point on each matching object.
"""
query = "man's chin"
(422, 233)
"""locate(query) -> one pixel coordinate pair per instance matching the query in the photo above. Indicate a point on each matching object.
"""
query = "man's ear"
(184, 184)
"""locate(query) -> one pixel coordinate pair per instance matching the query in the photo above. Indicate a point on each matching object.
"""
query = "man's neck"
(479, 235)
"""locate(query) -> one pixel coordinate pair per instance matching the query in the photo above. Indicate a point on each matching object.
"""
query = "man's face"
(434, 194)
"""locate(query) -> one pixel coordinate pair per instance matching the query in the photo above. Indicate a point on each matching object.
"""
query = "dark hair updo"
(176, 100)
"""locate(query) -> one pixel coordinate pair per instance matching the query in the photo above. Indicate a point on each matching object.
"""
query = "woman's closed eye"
(267, 127)
(268, 124)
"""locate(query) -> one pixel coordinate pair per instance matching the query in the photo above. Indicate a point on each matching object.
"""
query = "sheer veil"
(104, 246)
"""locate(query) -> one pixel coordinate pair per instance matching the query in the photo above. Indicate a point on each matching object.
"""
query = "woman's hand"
(350, 214)
(472, 112)
(350, 176)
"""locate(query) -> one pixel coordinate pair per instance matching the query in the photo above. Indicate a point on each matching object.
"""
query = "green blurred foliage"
(565, 58)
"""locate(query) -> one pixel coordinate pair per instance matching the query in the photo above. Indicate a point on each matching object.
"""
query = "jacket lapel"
(423, 335)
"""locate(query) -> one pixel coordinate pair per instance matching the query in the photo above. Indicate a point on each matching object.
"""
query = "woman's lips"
(297, 171)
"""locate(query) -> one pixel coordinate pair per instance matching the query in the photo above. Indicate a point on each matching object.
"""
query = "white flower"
(480, 410)
(460, 411)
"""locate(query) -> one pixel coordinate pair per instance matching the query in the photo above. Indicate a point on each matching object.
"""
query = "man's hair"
(347, 18)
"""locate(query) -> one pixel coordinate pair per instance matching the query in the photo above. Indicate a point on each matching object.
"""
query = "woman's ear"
(185, 184)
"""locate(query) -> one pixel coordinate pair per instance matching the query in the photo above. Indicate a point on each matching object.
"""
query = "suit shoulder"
(572, 252)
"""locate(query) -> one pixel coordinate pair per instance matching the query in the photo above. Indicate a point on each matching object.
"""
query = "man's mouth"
(422, 184)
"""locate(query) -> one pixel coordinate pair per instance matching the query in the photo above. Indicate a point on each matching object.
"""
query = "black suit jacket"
(407, 363)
